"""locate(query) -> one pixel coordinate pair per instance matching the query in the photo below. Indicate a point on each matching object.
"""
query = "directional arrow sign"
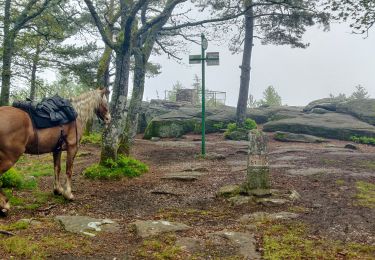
(195, 59)
(213, 59)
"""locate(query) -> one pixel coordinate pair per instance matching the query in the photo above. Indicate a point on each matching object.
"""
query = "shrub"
(250, 124)
(363, 140)
(115, 170)
(13, 179)
(234, 132)
(218, 126)
(94, 138)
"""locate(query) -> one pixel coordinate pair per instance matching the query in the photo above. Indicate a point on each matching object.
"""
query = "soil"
(313, 170)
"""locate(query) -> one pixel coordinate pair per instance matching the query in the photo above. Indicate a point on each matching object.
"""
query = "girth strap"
(61, 141)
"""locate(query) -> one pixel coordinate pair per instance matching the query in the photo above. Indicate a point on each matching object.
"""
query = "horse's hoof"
(68, 196)
(58, 191)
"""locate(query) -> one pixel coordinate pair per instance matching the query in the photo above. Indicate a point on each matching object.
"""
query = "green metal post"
(203, 98)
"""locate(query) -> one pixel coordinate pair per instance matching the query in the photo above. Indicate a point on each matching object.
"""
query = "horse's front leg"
(57, 188)
(71, 153)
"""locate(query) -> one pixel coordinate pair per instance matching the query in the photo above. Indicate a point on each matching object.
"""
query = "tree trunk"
(245, 67)
(34, 70)
(135, 102)
(112, 134)
(102, 75)
(8, 45)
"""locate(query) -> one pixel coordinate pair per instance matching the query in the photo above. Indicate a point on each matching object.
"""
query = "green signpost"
(212, 59)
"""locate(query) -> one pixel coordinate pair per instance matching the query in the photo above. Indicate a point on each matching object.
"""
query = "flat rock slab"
(245, 242)
(190, 245)
(183, 176)
(261, 216)
(240, 200)
(229, 191)
(301, 138)
(269, 202)
(290, 158)
(312, 171)
(87, 225)
(152, 228)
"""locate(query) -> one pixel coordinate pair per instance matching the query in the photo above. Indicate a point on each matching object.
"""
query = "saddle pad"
(50, 112)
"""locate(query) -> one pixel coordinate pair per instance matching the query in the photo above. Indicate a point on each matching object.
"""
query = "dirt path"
(325, 175)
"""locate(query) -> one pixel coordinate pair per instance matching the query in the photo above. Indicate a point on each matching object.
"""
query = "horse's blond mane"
(86, 103)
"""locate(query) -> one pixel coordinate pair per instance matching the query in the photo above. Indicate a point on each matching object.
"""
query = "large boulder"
(330, 125)
(170, 119)
(329, 104)
(364, 109)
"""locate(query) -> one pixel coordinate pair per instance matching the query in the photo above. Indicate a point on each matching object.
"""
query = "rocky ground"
(174, 212)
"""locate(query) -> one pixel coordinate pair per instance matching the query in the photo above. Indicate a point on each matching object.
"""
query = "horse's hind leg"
(57, 188)
(71, 153)
(5, 164)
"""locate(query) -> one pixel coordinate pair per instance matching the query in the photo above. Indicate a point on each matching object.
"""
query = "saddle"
(50, 112)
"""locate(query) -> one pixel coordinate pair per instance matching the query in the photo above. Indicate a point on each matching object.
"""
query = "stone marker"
(257, 163)
(152, 228)
(87, 225)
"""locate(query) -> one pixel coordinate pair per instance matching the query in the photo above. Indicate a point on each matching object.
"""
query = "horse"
(18, 136)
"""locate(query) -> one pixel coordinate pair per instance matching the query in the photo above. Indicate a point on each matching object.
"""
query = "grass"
(368, 165)
(160, 249)
(19, 225)
(293, 241)
(34, 201)
(115, 170)
(93, 138)
(365, 194)
(340, 182)
(29, 247)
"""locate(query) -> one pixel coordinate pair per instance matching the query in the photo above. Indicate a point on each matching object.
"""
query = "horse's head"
(4, 204)
(102, 111)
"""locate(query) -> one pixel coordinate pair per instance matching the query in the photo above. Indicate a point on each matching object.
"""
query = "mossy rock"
(237, 135)
(330, 125)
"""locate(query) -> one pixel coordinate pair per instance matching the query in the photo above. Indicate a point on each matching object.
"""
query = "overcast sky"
(335, 62)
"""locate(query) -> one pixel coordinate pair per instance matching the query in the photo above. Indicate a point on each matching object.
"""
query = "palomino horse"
(17, 136)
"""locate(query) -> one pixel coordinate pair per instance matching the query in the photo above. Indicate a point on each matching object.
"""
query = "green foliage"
(93, 138)
(13, 179)
(218, 126)
(250, 124)
(19, 225)
(115, 170)
(363, 140)
(231, 127)
(270, 97)
(365, 194)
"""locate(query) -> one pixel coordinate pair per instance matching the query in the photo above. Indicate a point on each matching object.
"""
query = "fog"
(335, 62)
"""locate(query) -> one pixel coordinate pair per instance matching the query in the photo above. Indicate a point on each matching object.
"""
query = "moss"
(340, 182)
(293, 241)
(19, 225)
(114, 170)
(368, 164)
(44, 247)
(160, 248)
(172, 128)
(93, 138)
(365, 194)
(279, 135)
(234, 132)
(13, 179)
